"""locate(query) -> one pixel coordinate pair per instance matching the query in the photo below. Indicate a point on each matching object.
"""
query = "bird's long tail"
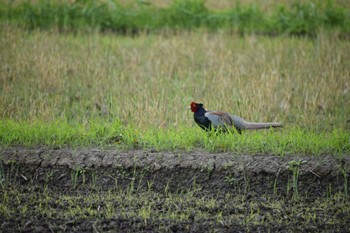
(253, 125)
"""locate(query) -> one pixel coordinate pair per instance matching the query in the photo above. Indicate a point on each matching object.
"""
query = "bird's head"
(195, 106)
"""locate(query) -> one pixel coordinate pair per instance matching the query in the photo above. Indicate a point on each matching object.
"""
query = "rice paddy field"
(73, 75)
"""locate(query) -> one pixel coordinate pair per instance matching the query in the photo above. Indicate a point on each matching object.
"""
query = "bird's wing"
(219, 119)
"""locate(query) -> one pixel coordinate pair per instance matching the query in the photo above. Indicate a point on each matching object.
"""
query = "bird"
(223, 121)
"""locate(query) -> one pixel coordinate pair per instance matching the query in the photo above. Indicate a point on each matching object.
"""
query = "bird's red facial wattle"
(194, 107)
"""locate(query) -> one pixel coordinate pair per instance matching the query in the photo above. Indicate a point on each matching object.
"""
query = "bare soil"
(71, 171)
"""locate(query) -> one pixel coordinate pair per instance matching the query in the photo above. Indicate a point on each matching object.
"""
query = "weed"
(344, 172)
(48, 177)
(329, 190)
(230, 179)
(75, 174)
(131, 187)
(150, 185)
(294, 167)
(12, 172)
(2, 175)
(246, 183)
(275, 183)
(93, 179)
(209, 169)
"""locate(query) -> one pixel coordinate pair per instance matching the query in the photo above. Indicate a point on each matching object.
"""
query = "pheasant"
(222, 121)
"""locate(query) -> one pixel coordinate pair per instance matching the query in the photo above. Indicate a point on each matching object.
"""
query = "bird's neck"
(201, 120)
(200, 112)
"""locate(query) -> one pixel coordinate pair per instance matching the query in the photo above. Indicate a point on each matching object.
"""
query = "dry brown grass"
(148, 81)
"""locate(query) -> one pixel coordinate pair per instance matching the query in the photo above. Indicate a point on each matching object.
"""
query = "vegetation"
(113, 90)
(24, 207)
(61, 134)
(305, 18)
(72, 75)
(100, 89)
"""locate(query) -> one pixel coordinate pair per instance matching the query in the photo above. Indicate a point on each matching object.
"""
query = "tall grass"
(148, 81)
(299, 18)
(65, 89)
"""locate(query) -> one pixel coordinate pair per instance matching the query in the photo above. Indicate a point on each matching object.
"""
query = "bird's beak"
(189, 107)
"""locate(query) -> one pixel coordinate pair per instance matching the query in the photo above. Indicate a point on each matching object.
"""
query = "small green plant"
(2, 174)
(48, 177)
(13, 171)
(150, 185)
(131, 187)
(209, 169)
(75, 174)
(275, 183)
(344, 172)
(145, 212)
(230, 179)
(329, 191)
(294, 167)
(246, 183)
(93, 179)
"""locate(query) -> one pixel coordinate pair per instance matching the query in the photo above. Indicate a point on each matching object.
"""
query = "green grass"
(102, 89)
(62, 134)
(305, 18)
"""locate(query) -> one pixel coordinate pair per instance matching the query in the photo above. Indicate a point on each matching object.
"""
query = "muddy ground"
(301, 181)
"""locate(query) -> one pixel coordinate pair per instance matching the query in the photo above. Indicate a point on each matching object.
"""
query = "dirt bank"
(263, 174)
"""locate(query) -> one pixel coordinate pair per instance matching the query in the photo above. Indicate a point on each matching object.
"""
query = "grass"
(96, 88)
(113, 90)
(298, 18)
(62, 134)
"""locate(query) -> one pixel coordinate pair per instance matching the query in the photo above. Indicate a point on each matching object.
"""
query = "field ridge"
(178, 170)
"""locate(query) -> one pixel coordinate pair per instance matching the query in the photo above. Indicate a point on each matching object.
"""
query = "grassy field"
(71, 78)
(132, 17)
(69, 81)
(71, 89)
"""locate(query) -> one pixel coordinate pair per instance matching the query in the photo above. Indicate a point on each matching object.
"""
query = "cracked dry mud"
(217, 174)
